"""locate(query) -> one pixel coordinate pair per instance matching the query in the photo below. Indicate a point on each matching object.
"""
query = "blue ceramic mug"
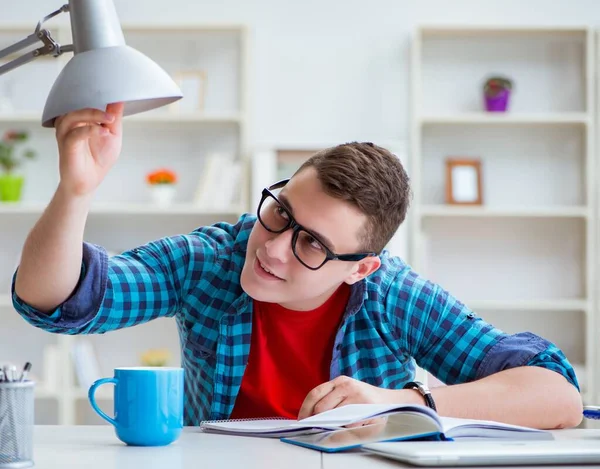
(148, 404)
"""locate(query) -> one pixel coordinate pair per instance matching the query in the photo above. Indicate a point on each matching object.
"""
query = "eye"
(280, 212)
(313, 243)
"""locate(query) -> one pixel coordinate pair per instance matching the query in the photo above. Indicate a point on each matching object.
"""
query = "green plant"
(9, 158)
(496, 84)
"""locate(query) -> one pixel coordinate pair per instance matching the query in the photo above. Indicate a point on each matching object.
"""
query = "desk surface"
(92, 447)
(97, 447)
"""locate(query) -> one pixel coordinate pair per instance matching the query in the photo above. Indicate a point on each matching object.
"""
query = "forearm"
(51, 259)
(531, 396)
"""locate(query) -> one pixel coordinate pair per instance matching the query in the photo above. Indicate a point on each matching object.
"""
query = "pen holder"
(16, 424)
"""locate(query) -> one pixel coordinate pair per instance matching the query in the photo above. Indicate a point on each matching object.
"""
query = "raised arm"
(89, 143)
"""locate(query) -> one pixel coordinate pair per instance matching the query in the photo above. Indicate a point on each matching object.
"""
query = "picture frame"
(193, 87)
(464, 181)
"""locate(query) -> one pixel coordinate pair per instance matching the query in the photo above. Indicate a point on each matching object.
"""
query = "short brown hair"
(370, 178)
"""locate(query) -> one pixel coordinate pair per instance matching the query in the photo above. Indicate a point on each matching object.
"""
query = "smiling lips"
(263, 269)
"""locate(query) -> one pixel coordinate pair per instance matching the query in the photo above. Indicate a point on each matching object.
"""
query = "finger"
(116, 110)
(84, 116)
(332, 400)
(314, 396)
(86, 132)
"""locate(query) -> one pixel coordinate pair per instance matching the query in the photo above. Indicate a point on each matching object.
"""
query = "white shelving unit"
(123, 215)
(525, 259)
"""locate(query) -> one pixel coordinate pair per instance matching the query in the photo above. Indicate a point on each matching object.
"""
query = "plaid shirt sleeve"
(134, 287)
(450, 341)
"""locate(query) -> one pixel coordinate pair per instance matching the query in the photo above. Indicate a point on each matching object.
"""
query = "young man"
(292, 314)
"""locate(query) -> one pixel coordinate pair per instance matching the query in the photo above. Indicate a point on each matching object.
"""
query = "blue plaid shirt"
(393, 318)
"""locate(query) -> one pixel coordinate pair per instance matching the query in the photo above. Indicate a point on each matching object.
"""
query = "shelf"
(195, 117)
(528, 305)
(125, 209)
(482, 118)
(146, 117)
(464, 30)
(486, 211)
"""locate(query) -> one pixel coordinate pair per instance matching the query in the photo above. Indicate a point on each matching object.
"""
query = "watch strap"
(424, 391)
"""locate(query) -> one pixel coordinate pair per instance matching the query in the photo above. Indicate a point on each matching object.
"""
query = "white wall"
(331, 70)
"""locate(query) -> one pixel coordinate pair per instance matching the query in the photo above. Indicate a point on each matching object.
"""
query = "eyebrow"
(324, 239)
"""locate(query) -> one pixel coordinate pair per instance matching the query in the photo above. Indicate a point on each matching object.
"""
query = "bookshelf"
(123, 215)
(526, 258)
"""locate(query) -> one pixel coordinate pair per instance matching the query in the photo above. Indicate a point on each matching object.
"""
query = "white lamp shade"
(98, 77)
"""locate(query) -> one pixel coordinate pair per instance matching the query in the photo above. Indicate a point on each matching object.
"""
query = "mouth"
(264, 272)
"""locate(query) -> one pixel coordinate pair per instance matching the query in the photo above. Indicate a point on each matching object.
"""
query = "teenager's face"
(293, 285)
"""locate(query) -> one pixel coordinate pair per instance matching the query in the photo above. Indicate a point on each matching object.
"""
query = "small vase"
(11, 187)
(163, 194)
(498, 103)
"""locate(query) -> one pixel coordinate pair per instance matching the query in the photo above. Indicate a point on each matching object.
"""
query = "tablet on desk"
(489, 453)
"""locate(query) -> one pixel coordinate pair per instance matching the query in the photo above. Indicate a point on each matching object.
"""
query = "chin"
(254, 287)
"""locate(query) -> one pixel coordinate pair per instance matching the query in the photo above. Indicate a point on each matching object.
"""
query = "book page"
(352, 413)
(454, 427)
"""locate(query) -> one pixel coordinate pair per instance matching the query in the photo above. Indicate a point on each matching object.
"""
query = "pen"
(13, 373)
(26, 369)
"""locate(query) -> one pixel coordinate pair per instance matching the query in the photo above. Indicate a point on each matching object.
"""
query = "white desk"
(97, 447)
(367, 461)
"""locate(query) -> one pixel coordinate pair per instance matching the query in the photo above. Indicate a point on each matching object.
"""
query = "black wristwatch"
(424, 390)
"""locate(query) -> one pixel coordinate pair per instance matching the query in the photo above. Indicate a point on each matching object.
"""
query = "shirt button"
(338, 347)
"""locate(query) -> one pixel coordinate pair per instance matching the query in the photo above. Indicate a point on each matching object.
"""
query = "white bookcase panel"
(506, 258)
(525, 259)
(217, 53)
(522, 166)
(546, 65)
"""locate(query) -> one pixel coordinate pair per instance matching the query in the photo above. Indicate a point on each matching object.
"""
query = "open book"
(404, 422)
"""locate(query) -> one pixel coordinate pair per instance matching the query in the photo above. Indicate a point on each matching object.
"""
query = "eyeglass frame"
(297, 227)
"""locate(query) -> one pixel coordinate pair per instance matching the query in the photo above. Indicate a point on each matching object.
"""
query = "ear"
(364, 268)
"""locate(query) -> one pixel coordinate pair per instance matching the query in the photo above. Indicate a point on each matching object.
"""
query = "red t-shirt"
(290, 354)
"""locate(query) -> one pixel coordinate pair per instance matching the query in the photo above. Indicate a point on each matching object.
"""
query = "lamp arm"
(50, 46)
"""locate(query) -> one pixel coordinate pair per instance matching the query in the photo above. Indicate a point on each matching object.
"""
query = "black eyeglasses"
(306, 246)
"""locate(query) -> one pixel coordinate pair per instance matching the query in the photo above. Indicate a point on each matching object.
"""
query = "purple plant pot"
(498, 103)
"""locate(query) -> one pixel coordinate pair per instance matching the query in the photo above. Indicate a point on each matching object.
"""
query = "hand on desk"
(344, 390)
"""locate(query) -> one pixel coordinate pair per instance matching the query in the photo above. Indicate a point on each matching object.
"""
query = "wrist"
(414, 397)
(65, 195)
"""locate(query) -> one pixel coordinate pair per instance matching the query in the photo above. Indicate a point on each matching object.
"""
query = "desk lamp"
(103, 69)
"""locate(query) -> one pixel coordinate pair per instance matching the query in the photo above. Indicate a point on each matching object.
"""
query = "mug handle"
(92, 398)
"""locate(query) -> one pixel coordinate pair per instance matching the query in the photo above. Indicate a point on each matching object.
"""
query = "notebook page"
(250, 426)
(352, 413)
(455, 427)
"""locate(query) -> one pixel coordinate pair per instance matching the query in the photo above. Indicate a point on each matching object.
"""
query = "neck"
(312, 303)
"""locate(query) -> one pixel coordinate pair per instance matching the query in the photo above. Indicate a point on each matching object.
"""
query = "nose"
(279, 247)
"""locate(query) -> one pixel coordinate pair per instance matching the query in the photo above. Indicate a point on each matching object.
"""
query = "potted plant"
(11, 159)
(496, 91)
(162, 184)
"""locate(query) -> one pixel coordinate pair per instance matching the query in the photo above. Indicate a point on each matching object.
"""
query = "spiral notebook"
(404, 421)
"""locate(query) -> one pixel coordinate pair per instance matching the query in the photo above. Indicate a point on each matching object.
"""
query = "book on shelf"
(219, 185)
(87, 368)
(327, 431)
